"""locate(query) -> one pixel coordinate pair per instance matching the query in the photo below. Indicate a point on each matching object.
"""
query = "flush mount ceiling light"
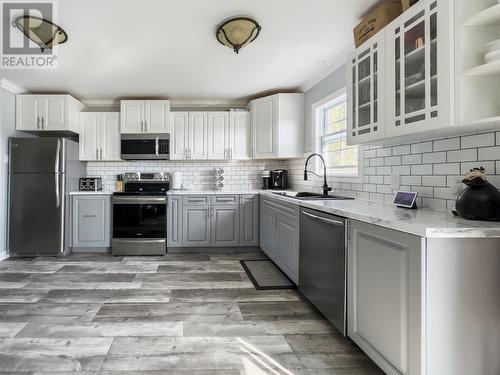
(42, 32)
(237, 32)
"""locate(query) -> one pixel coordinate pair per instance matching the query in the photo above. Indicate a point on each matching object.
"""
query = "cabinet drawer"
(196, 200)
(281, 207)
(225, 200)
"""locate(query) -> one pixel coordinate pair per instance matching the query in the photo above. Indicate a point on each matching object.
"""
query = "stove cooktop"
(140, 193)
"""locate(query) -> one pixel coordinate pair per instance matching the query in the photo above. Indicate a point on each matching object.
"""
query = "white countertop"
(212, 192)
(421, 222)
(90, 193)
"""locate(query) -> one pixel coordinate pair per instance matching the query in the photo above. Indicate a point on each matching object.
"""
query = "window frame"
(317, 122)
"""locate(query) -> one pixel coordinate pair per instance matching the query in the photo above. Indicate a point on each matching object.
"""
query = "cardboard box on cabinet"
(376, 20)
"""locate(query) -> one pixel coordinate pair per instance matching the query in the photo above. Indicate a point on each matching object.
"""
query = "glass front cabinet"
(420, 69)
(366, 91)
(400, 82)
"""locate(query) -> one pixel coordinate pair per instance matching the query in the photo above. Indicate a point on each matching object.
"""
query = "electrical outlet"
(395, 181)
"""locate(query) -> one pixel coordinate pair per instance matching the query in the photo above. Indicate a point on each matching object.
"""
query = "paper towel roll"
(176, 180)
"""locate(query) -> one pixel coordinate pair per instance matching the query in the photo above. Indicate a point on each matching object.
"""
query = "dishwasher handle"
(336, 223)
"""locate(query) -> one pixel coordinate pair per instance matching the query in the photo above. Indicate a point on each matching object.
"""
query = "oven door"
(145, 146)
(137, 217)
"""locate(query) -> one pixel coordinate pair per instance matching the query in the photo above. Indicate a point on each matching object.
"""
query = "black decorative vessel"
(480, 200)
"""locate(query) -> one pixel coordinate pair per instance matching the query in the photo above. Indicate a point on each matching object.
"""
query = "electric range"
(140, 215)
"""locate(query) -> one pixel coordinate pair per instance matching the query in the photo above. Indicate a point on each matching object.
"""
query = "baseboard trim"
(91, 250)
(209, 249)
(3, 256)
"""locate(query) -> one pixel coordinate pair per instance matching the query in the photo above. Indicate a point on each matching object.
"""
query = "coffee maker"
(279, 179)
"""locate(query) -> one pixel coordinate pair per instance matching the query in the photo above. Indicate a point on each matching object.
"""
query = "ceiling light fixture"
(237, 32)
(42, 32)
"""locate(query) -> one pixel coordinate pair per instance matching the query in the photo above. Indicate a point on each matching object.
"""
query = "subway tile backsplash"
(238, 175)
(431, 168)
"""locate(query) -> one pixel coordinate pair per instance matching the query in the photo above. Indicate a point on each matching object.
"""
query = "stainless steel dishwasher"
(322, 264)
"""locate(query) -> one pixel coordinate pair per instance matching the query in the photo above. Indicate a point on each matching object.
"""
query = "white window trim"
(316, 139)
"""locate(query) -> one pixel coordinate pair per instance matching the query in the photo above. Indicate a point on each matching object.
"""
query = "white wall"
(7, 129)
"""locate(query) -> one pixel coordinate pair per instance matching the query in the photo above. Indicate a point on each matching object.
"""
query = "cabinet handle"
(89, 215)
(97, 154)
(142, 126)
(38, 122)
(324, 220)
(101, 154)
(145, 126)
(42, 123)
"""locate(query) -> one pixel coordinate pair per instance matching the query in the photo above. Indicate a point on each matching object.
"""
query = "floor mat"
(264, 275)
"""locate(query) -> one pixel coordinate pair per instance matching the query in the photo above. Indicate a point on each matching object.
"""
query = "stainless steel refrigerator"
(42, 172)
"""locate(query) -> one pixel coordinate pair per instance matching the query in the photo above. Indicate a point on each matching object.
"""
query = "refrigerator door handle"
(58, 155)
(56, 172)
(58, 195)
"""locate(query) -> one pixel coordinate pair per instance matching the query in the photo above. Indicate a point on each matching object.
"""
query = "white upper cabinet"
(157, 116)
(420, 62)
(210, 135)
(179, 123)
(110, 136)
(366, 91)
(47, 113)
(264, 128)
(197, 136)
(278, 126)
(89, 136)
(99, 136)
(238, 135)
(218, 128)
(144, 116)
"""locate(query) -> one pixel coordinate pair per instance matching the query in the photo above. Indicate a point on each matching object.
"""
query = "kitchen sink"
(307, 196)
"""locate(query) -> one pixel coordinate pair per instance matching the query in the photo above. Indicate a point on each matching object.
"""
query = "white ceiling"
(167, 48)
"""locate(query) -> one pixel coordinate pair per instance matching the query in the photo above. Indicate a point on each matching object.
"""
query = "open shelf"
(485, 121)
(487, 17)
(488, 69)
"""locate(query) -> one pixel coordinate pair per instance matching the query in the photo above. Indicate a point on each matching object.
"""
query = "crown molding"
(101, 103)
(175, 103)
(334, 65)
(12, 87)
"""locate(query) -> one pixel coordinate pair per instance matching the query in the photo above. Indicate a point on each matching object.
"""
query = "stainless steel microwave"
(145, 146)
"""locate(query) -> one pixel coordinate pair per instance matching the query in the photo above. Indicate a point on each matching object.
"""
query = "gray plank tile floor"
(181, 314)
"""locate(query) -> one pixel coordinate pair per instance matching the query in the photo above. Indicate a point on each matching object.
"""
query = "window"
(331, 137)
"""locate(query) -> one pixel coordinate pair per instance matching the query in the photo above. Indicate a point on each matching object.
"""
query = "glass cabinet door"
(415, 71)
(365, 90)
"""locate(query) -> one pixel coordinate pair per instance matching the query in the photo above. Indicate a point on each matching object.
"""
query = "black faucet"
(326, 188)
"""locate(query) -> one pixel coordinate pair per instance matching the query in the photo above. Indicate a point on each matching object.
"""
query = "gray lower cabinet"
(219, 220)
(225, 226)
(384, 296)
(249, 218)
(196, 226)
(174, 221)
(91, 222)
(279, 235)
